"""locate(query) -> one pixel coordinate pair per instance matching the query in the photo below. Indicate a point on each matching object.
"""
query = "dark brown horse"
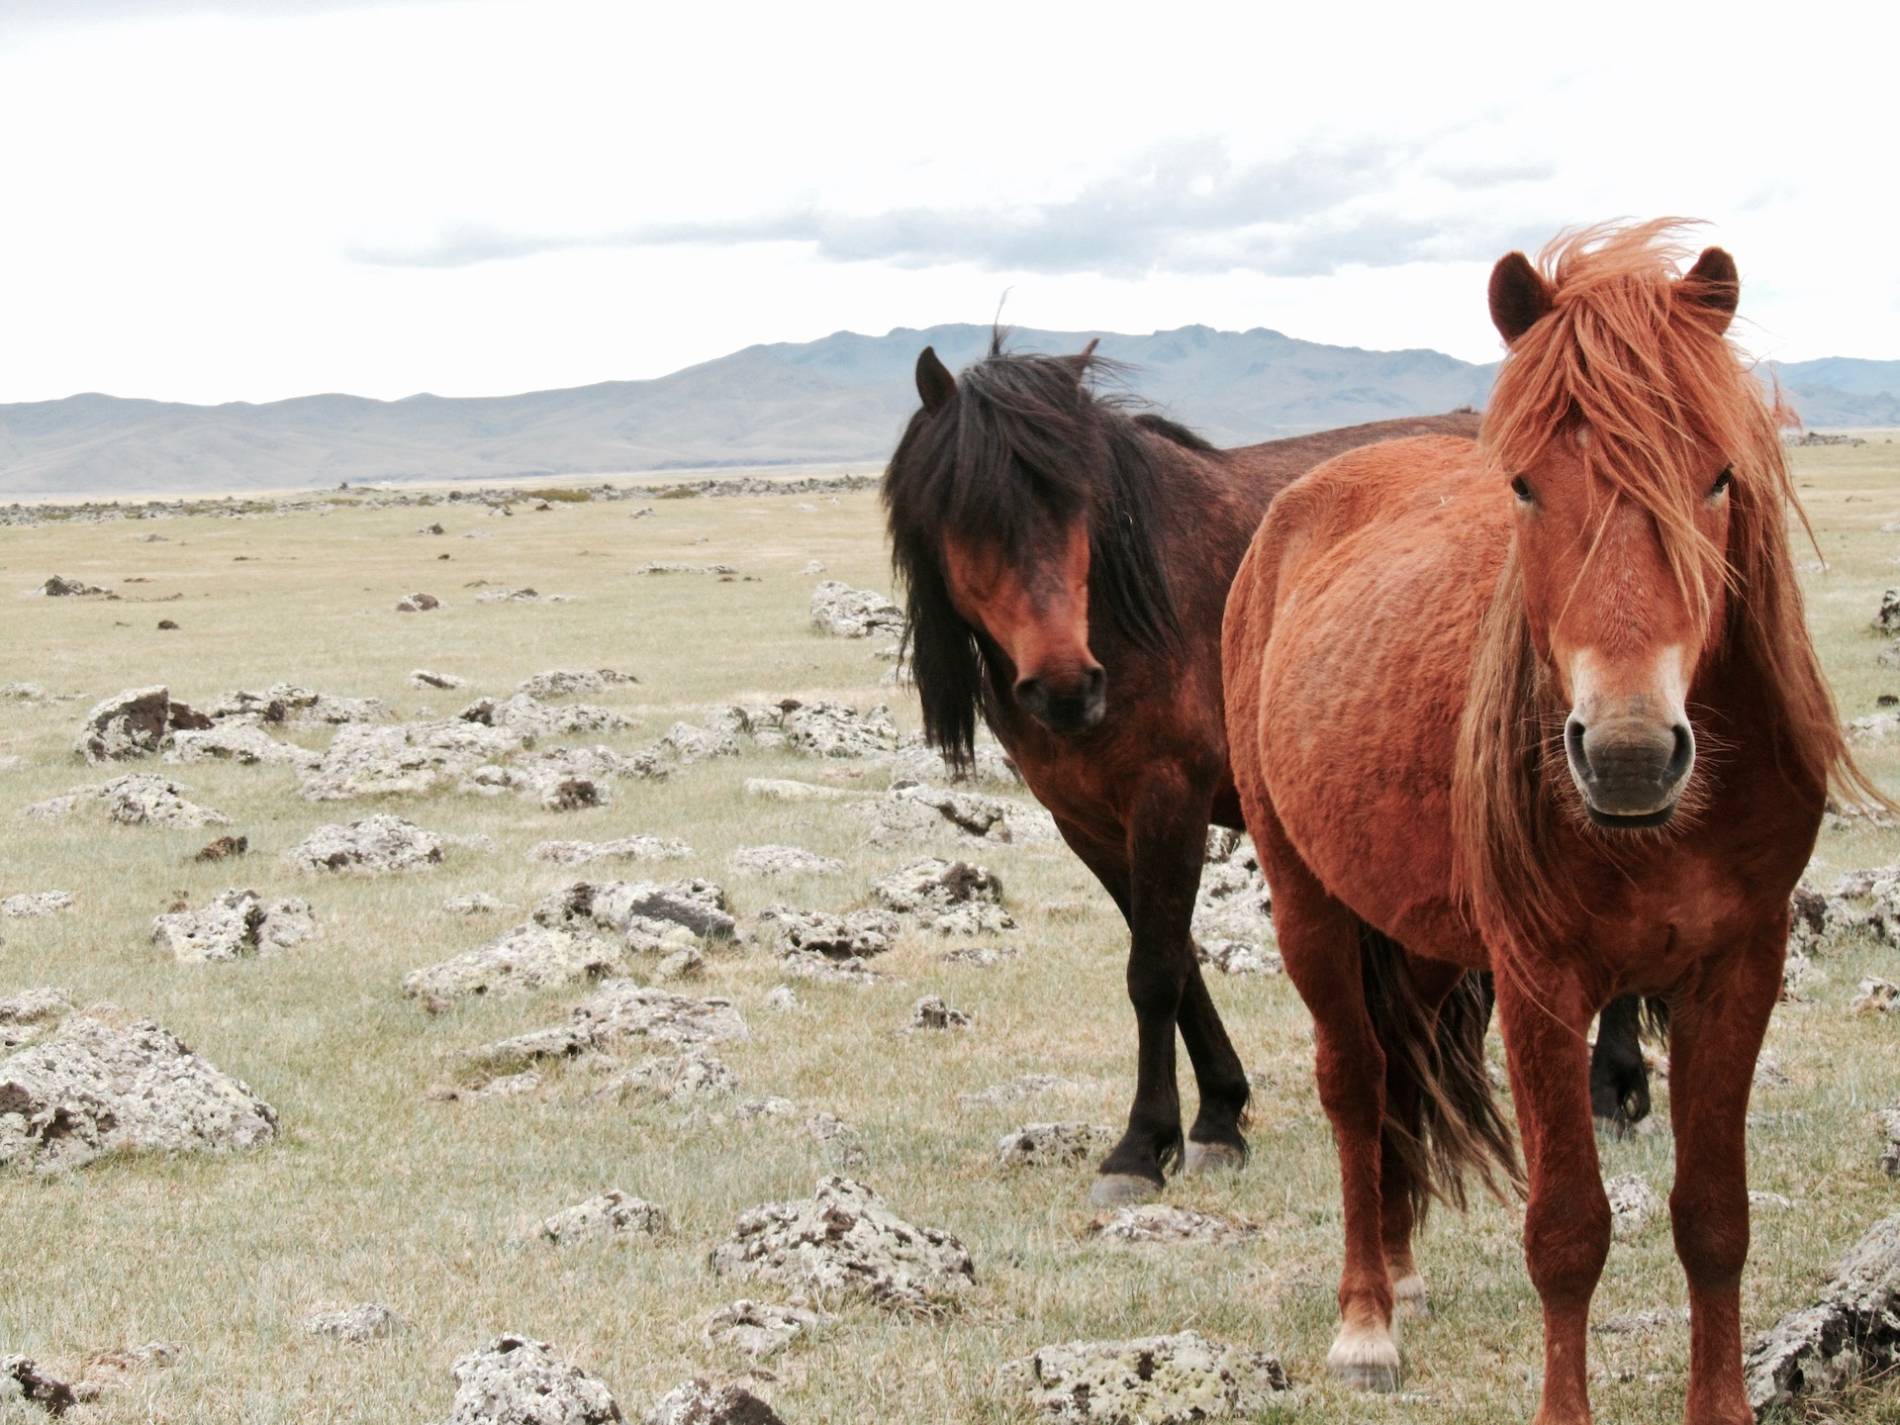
(1543, 705)
(1066, 562)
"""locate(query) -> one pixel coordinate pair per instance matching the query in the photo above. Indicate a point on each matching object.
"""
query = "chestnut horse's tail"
(1441, 1117)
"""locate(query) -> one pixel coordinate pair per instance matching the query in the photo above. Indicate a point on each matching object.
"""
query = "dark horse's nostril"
(1093, 682)
(1029, 693)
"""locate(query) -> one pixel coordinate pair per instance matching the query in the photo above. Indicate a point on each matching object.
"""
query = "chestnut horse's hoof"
(1365, 1359)
(1213, 1158)
(1122, 1190)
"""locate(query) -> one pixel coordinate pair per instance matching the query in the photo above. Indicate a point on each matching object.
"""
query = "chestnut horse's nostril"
(1683, 755)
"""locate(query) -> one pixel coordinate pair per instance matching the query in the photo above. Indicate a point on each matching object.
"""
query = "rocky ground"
(511, 960)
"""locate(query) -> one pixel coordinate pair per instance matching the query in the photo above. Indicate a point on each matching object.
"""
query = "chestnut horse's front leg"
(1715, 1032)
(1567, 1223)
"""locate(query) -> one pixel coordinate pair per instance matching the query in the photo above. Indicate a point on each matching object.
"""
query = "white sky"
(263, 198)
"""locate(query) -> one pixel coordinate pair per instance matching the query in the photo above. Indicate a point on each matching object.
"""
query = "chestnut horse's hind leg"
(1567, 1222)
(1715, 1032)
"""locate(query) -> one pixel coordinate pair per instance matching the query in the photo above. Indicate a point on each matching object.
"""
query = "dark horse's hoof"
(1122, 1190)
(1214, 1158)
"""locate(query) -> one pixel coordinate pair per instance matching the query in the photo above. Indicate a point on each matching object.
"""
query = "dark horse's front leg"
(1154, 881)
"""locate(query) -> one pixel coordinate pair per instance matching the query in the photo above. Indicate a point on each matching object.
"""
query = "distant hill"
(844, 397)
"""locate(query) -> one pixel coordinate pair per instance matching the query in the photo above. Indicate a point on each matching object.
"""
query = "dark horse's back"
(1291, 458)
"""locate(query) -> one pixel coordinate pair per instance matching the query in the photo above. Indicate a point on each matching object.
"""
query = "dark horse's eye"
(1521, 488)
(1722, 482)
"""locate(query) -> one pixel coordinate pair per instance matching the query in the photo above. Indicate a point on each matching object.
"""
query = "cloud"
(1184, 208)
(20, 15)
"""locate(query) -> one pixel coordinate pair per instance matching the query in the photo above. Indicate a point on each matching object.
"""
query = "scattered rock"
(951, 898)
(1633, 1205)
(1876, 996)
(642, 913)
(656, 566)
(676, 1078)
(533, 718)
(107, 1083)
(104, 1371)
(246, 744)
(236, 925)
(982, 957)
(1232, 909)
(168, 625)
(408, 759)
(528, 957)
(1157, 1380)
(610, 1214)
(417, 604)
(845, 612)
(760, 1330)
(843, 1144)
(844, 1241)
(931, 1012)
(1237, 957)
(1889, 1119)
(917, 761)
(812, 568)
(30, 1015)
(627, 848)
(515, 1380)
(375, 846)
(913, 812)
(522, 596)
(779, 789)
(31, 905)
(1042, 1145)
(836, 731)
(22, 1379)
(423, 678)
(224, 848)
(1156, 1222)
(60, 587)
(1852, 1331)
(134, 723)
(617, 1014)
(1887, 619)
(1015, 1090)
(292, 703)
(475, 903)
(776, 861)
(700, 1403)
(371, 1321)
(566, 682)
(782, 999)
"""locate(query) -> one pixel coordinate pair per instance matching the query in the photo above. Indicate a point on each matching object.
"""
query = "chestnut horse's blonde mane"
(1636, 356)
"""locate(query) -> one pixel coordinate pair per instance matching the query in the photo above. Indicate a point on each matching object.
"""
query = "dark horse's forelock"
(1021, 449)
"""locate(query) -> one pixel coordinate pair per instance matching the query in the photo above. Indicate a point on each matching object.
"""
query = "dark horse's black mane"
(1020, 450)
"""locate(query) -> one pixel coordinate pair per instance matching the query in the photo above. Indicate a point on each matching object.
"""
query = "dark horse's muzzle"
(1068, 706)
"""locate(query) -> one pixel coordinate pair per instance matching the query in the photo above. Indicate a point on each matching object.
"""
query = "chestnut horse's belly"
(1363, 684)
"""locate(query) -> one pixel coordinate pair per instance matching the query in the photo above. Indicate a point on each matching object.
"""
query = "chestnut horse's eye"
(1722, 482)
(1521, 488)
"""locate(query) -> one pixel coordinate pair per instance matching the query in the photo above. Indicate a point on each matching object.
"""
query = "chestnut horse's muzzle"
(1068, 706)
(1631, 771)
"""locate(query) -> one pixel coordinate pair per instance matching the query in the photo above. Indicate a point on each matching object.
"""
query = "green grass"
(375, 1193)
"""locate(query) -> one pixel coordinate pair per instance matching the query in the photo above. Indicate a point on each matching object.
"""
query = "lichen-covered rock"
(530, 716)
(30, 1015)
(291, 703)
(949, 897)
(1876, 996)
(236, 925)
(640, 912)
(776, 861)
(832, 730)
(1887, 617)
(843, 1145)
(912, 811)
(407, 759)
(244, 743)
(843, 1241)
(22, 1379)
(30, 905)
(625, 848)
(858, 935)
(675, 1078)
(1633, 1205)
(374, 846)
(917, 761)
(566, 682)
(134, 723)
(616, 1015)
(1156, 1380)
(781, 789)
(933, 1013)
(845, 612)
(699, 1402)
(417, 603)
(1156, 1222)
(106, 1083)
(1889, 1119)
(60, 587)
(145, 800)
(425, 678)
(760, 1330)
(105, 1371)
(525, 958)
(609, 1214)
(981, 957)
(1853, 1330)
(1238, 957)
(515, 1380)
(370, 1321)
(686, 744)
(1233, 908)
(1041, 1145)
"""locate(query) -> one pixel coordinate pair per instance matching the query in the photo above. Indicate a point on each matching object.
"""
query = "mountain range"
(842, 398)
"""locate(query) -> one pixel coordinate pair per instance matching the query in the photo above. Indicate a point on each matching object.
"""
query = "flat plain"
(375, 1191)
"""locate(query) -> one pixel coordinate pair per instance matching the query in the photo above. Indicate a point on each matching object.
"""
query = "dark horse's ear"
(1519, 296)
(935, 384)
(1715, 283)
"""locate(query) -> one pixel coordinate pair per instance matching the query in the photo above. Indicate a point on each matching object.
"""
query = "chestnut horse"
(1066, 563)
(1545, 705)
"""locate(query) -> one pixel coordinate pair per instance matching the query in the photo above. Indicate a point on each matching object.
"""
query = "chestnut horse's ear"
(1715, 283)
(1519, 296)
(935, 384)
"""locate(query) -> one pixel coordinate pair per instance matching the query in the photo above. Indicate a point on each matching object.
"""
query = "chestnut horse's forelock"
(1022, 444)
(1637, 357)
